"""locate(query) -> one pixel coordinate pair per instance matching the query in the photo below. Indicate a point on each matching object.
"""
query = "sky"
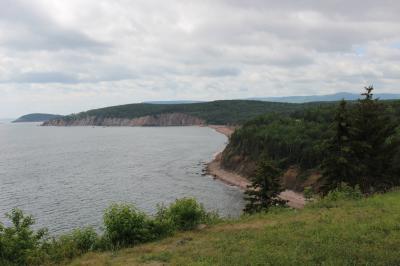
(69, 56)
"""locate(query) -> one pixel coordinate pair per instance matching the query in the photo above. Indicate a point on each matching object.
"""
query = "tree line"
(364, 149)
(355, 144)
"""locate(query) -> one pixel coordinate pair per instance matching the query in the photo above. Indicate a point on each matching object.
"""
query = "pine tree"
(373, 128)
(264, 189)
(339, 165)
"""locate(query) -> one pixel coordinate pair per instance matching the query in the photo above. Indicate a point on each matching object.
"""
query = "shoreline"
(295, 200)
(225, 130)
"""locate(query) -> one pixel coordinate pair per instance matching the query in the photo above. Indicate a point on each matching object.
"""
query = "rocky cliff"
(166, 119)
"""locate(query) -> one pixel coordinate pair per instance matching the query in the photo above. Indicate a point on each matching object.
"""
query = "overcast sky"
(69, 56)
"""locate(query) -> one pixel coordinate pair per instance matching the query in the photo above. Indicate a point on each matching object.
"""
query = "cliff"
(166, 119)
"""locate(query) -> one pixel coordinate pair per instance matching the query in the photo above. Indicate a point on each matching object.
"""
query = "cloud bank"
(69, 56)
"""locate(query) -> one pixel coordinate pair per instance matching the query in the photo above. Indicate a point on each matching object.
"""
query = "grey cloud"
(106, 74)
(351, 10)
(43, 77)
(220, 72)
(54, 39)
(38, 32)
(110, 73)
(124, 51)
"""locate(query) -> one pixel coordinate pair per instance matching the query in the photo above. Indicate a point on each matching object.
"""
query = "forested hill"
(230, 112)
(298, 141)
(36, 117)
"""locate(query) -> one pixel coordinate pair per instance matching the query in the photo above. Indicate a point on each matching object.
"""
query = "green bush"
(61, 248)
(19, 244)
(183, 214)
(125, 225)
(85, 239)
(76, 243)
(343, 192)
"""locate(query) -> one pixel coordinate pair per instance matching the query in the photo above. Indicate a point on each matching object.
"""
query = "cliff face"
(170, 119)
(293, 177)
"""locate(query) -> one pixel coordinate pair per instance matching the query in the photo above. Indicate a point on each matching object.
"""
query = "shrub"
(125, 225)
(308, 193)
(19, 244)
(76, 243)
(183, 214)
(85, 239)
(342, 193)
(61, 248)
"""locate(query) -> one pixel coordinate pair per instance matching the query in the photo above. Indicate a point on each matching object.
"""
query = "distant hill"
(216, 112)
(36, 117)
(325, 98)
(173, 102)
(179, 113)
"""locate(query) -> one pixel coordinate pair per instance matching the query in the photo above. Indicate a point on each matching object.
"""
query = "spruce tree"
(372, 144)
(264, 189)
(339, 165)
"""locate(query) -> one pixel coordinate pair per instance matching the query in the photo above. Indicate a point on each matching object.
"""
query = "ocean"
(67, 176)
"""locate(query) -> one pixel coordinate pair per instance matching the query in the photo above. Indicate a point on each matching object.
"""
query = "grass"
(358, 232)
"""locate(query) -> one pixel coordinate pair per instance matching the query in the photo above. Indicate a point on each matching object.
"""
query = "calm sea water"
(66, 176)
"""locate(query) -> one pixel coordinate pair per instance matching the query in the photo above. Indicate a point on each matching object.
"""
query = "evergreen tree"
(339, 165)
(264, 189)
(373, 144)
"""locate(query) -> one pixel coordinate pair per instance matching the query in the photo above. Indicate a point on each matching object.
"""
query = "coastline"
(225, 130)
(295, 200)
(214, 168)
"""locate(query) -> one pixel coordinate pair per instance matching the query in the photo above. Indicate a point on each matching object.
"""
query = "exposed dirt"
(214, 168)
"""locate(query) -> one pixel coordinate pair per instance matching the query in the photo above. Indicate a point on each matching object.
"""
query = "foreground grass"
(363, 232)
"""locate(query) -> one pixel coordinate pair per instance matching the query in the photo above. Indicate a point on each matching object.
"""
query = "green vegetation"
(18, 243)
(265, 188)
(343, 228)
(348, 231)
(78, 242)
(293, 139)
(231, 112)
(184, 214)
(361, 146)
(356, 146)
(37, 117)
(124, 226)
(338, 165)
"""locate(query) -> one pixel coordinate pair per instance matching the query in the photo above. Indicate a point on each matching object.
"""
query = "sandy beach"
(226, 130)
(295, 199)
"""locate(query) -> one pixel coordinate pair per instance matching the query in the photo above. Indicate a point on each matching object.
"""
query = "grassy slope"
(355, 233)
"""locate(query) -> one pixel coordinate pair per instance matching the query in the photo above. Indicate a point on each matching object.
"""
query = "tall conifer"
(373, 129)
(339, 165)
(265, 188)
